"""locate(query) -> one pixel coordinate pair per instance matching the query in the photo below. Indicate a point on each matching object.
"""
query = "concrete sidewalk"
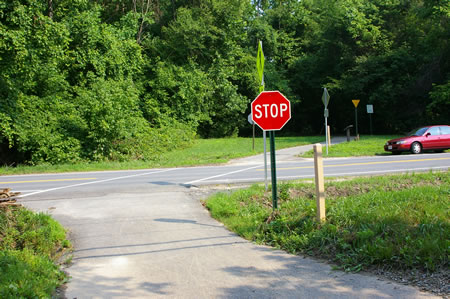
(283, 155)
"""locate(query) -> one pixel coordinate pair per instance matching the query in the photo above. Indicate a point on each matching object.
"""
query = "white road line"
(387, 171)
(220, 175)
(230, 181)
(390, 158)
(255, 180)
(97, 182)
(72, 173)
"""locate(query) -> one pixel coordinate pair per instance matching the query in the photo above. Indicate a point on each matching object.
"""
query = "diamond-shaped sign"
(260, 63)
(325, 97)
(250, 120)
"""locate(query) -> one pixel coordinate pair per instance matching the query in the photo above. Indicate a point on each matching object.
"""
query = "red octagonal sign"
(271, 110)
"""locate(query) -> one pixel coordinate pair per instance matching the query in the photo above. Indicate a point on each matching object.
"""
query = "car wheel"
(416, 148)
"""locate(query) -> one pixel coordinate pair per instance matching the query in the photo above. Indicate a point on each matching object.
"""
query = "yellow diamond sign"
(260, 63)
(355, 102)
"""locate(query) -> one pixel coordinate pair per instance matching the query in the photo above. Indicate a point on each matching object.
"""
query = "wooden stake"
(329, 136)
(320, 186)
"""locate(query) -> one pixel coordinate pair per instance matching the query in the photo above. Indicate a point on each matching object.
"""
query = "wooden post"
(329, 136)
(320, 186)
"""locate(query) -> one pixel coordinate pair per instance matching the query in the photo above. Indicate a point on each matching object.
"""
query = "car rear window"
(445, 130)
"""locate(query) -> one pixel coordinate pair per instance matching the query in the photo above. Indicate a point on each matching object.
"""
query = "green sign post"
(273, 170)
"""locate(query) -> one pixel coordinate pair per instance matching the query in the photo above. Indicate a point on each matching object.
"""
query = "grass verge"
(397, 221)
(30, 246)
(366, 146)
(202, 152)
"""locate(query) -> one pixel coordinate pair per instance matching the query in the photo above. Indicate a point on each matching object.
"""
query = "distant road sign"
(355, 102)
(369, 109)
(325, 97)
(271, 110)
(250, 120)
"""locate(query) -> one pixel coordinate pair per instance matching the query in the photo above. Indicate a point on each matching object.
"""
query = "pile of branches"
(8, 198)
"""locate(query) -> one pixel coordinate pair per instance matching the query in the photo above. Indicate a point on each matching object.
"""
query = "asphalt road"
(71, 184)
(144, 233)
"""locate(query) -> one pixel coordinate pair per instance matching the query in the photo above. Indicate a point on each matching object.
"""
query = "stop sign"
(271, 110)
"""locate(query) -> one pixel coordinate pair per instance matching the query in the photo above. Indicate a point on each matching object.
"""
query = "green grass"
(30, 246)
(399, 221)
(212, 151)
(366, 146)
(202, 152)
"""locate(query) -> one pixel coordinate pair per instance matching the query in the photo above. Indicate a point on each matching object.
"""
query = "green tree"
(202, 73)
(439, 108)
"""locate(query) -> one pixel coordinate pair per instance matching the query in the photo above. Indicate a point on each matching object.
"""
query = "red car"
(435, 138)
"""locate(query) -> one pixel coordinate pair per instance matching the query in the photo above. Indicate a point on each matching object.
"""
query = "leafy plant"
(30, 246)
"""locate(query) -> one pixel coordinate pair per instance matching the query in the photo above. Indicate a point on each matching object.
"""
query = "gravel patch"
(437, 282)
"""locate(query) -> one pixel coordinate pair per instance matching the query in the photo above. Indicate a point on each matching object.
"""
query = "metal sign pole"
(265, 145)
(326, 133)
(260, 68)
(355, 103)
(326, 100)
(253, 136)
(250, 120)
(370, 111)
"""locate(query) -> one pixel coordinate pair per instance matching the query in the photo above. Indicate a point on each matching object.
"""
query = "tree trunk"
(50, 9)
(144, 10)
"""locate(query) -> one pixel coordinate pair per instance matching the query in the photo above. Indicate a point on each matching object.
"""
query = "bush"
(30, 245)
(25, 275)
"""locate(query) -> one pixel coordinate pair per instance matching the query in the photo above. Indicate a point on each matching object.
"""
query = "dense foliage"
(130, 79)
